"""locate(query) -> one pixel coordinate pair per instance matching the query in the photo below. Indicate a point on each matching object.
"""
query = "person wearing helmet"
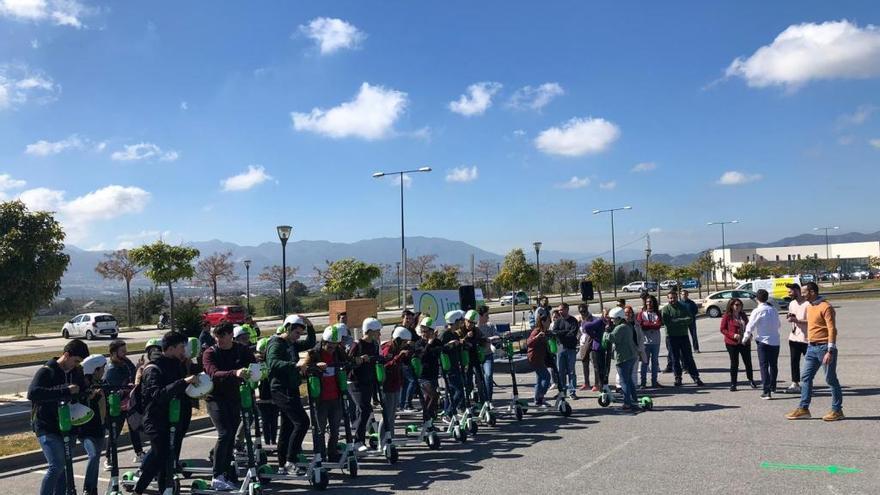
(91, 434)
(474, 341)
(429, 347)
(395, 352)
(328, 359)
(226, 363)
(267, 409)
(120, 375)
(241, 335)
(282, 357)
(623, 340)
(253, 331)
(364, 354)
(450, 339)
(162, 380)
(60, 379)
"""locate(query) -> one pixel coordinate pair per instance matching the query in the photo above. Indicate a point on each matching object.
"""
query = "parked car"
(667, 284)
(231, 314)
(860, 275)
(715, 304)
(91, 325)
(521, 298)
(639, 286)
(690, 284)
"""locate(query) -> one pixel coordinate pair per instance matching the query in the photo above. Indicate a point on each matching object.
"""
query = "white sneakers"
(794, 388)
(360, 448)
(220, 483)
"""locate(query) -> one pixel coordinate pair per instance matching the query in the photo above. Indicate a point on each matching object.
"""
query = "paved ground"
(696, 441)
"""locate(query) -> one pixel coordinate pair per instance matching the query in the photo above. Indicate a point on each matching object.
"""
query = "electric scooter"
(454, 422)
(487, 415)
(426, 432)
(609, 396)
(65, 425)
(467, 421)
(517, 406)
(114, 411)
(381, 438)
(172, 481)
(560, 404)
(347, 455)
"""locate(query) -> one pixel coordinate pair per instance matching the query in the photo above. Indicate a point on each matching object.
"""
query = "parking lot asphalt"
(694, 441)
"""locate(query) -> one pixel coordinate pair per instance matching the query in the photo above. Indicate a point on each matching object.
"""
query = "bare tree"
(417, 268)
(486, 269)
(567, 270)
(215, 268)
(118, 266)
(273, 274)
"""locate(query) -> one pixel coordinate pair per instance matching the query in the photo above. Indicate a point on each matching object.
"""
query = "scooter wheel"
(565, 409)
(492, 419)
(352, 467)
(255, 489)
(264, 458)
(646, 403)
(374, 443)
(263, 471)
(472, 427)
(319, 479)
(604, 399)
(391, 454)
(129, 476)
(199, 485)
(518, 412)
(433, 441)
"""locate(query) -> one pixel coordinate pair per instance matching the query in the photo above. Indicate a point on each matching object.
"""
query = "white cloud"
(100, 147)
(35, 44)
(477, 100)
(254, 176)
(7, 183)
(875, 143)
(528, 97)
(858, 117)
(59, 12)
(655, 230)
(43, 199)
(644, 167)
(578, 137)
(608, 185)
(184, 105)
(332, 35)
(46, 148)
(128, 241)
(371, 115)
(144, 151)
(574, 183)
(734, 178)
(462, 174)
(19, 85)
(807, 52)
(519, 133)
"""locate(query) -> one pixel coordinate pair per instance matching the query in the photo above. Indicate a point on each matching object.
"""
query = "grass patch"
(35, 357)
(17, 443)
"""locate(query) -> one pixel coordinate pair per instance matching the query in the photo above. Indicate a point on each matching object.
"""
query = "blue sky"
(201, 120)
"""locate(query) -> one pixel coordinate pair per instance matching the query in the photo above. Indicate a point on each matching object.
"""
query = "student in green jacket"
(677, 319)
(626, 352)
(282, 358)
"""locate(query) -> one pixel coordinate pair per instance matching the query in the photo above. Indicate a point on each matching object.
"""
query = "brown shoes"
(799, 413)
(833, 416)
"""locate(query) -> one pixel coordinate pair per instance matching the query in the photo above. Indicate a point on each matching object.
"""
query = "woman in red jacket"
(537, 354)
(733, 324)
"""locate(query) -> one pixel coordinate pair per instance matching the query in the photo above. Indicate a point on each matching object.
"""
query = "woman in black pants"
(733, 324)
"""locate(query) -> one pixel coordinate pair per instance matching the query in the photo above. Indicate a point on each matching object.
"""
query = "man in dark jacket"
(677, 320)
(282, 357)
(226, 363)
(60, 379)
(120, 375)
(566, 330)
(693, 309)
(451, 348)
(162, 382)
(364, 354)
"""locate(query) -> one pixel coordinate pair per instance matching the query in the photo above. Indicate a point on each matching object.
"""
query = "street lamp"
(537, 245)
(827, 248)
(613, 253)
(402, 237)
(399, 304)
(284, 233)
(648, 257)
(723, 248)
(247, 269)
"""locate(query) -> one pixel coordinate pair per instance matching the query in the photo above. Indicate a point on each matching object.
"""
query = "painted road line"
(833, 469)
(599, 459)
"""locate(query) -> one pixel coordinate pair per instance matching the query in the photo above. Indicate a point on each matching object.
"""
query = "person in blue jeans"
(451, 342)
(693, 309)
(60, 379)
(490, 333)
(624, 341)
(566, 329)
(91, 435)
(537, 354)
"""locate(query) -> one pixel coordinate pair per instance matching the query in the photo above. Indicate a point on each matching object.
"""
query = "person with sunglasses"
(733, 325)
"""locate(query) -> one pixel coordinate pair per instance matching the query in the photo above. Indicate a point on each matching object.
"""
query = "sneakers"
(594, 389)
(733, 388)
(360, 448)
(220, 483)
(753, 384)
(799, 413)
(573, 396)
(700, 383)
(667, 370)
(107, 465)
(678, 382)
(139, 458)
(794, 388)
(833, 416)
(766, 396)
(656, 385)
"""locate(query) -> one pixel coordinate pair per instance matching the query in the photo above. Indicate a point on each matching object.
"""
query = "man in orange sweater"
(822, 350)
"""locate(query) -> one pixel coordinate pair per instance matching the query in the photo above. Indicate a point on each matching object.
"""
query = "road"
(695, 441)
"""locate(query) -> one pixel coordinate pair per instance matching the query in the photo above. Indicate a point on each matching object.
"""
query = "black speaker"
(467, 297)
(586, 290)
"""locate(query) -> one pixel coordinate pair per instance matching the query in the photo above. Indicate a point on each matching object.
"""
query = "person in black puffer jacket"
(566, 329)
(91, 435)
(364, 354)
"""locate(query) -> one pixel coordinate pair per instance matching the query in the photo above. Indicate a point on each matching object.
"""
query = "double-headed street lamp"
(827, 247)
(537, 245)
(401, 173)
(284, 233)
(613, 253)
(647, 258)
(723, 248)
(247, 269)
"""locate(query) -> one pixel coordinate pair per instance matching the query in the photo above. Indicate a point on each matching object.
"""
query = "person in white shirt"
(797, 338)
(764, 326)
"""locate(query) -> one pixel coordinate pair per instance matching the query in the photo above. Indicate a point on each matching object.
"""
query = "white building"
(849, 253)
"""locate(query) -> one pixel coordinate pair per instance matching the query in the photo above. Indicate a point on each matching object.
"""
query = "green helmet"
(262, 345)
(154, 342)
(472, 316)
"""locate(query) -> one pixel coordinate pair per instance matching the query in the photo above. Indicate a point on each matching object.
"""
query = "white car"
(668, 284)
(91, 325)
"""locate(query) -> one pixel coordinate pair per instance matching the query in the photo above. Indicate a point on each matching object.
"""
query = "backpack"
(136, 401)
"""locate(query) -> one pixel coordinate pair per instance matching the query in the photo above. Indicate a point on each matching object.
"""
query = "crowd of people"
(461, 352)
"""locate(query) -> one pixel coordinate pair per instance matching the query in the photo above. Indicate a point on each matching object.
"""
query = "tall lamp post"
(284, 232)
(827, 246)
(723, 248)
(647, 258)
(537, 245)
(613, 253)
(247, 269)
(399, 299)
(401, 173)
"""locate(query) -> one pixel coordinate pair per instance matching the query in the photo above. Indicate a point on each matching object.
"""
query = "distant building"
(849, 254)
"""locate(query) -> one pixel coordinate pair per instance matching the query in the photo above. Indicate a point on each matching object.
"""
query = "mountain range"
(82, 278)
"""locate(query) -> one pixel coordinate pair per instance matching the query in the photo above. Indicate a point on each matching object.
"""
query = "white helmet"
(401, 333)
(331, 334)
(238, 331)
(472, 316)
(295, 320)
(371, 325)
(92, 363)
(343, 330)
(453, 316)
(617, 313)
